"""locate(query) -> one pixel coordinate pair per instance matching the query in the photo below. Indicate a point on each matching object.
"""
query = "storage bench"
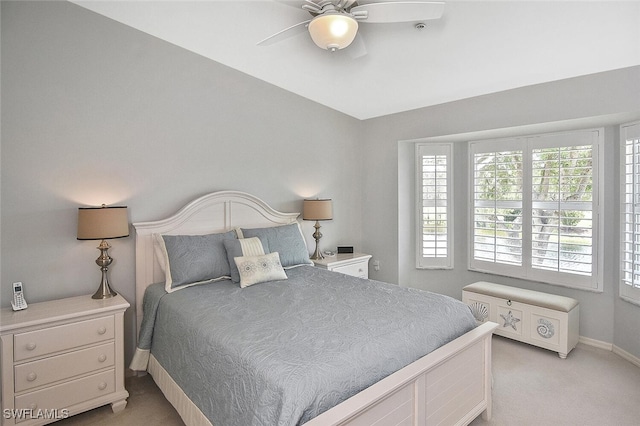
(541, 319)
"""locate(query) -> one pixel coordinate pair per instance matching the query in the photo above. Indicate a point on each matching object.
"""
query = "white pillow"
(239, 248)
(259, 269)
(160, 251)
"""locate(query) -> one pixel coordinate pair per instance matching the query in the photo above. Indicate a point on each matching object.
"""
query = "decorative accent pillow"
(193, 259)
(259, 269)
(240, 248)
(286, 240)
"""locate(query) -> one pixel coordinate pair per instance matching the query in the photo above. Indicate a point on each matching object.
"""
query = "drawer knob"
(102, 330)
(32, 376)
(33, 406)
(509, 302)
(31, 346)
(102, 358)
(102, 385)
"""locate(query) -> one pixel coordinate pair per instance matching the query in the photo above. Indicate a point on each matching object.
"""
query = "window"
(630, 212)
(435, 207)
(497, 200)
(534, 208)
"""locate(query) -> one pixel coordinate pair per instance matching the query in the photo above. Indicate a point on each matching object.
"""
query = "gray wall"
(96, 112)
(598, 100)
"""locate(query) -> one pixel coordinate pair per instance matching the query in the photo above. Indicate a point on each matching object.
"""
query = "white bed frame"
(450, 386)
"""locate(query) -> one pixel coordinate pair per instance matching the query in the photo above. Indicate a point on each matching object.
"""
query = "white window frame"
(629, 132)
(434, 149)
(527, 144)
(488, 146)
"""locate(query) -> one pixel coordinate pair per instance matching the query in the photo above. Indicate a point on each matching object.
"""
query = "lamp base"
(317, 255)
(104, 291)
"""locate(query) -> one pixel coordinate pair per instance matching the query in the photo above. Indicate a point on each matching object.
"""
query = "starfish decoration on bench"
(510, 320)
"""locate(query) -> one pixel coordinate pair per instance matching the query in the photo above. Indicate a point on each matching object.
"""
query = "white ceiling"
(478, 47)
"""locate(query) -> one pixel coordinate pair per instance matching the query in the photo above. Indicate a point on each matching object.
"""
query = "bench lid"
(536, 298)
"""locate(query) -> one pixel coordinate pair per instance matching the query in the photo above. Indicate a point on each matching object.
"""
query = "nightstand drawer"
(50, 370)
(64, 337)
(354, 264)
(356, 270)
(69, 393)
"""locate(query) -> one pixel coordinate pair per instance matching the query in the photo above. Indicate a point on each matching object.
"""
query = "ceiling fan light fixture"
(333, 31)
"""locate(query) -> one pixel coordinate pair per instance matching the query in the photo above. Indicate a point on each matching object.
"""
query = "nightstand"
(356, 264)
(62, 357)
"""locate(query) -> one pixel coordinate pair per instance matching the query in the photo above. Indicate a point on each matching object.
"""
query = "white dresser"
(62, 357)
(356, 264)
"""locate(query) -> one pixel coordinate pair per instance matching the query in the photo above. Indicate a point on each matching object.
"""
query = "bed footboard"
(451, 385)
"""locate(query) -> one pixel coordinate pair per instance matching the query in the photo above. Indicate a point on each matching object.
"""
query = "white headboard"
(215, 212)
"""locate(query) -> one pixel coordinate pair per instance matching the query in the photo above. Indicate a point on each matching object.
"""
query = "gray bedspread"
(282, 352)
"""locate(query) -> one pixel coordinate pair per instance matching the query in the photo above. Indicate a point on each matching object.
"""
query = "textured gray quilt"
(282, 352)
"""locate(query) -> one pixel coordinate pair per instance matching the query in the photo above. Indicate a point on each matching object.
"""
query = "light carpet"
(534, 386)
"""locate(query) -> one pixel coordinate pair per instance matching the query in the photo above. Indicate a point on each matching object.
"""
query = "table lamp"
(103, 223)
(317, 210)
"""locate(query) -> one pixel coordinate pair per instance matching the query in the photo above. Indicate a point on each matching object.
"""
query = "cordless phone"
(18, 303)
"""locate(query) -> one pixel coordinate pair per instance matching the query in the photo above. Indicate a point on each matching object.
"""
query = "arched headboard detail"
(216, 212)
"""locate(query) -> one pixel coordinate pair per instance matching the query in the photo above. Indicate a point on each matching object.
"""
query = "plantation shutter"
(535, 208)
(630, 211)
(497, 207)
(562, 224)
(434, 215)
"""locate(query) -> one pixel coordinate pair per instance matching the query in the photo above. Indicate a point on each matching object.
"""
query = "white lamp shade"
(333, 31)
(99, 223)
(317, 210)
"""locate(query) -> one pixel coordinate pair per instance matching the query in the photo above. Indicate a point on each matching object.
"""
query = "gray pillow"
(286, 240)
(242, 248)
(194, 259)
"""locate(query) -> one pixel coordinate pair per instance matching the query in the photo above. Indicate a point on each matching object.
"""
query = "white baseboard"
(595, 343)
(610, 347)
(626, 355)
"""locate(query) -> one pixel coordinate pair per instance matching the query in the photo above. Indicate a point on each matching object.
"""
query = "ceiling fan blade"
(291, 3)
(401, 11)
(284, 34)
(357, 48)
(312, 7)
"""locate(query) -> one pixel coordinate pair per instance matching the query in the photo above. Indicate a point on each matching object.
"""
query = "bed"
(341, 365)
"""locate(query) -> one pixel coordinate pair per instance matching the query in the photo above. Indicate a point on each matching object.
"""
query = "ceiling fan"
(334, 25)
